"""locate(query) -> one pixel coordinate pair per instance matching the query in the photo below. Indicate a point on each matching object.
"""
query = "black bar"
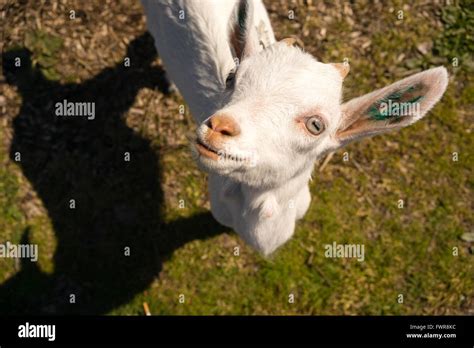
(237, 329)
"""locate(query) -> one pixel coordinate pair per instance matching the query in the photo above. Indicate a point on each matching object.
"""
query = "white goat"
(267, 110)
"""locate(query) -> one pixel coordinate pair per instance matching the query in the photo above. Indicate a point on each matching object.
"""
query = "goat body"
(267, 110)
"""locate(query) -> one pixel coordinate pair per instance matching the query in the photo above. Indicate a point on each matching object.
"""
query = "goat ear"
(243, 34)
(342, 68)
(393, 107)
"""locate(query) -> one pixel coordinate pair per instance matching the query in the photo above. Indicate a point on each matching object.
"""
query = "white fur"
(259, 187)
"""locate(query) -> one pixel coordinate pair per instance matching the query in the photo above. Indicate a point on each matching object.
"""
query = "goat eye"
(315, 125)
(230, 78)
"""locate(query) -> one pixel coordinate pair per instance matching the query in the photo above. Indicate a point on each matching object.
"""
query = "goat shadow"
(117, 203)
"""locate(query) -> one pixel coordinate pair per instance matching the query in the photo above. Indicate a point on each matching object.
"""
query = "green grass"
(409, 251)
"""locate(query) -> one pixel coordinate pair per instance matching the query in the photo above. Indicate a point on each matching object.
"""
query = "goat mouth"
(223, 157)
(206, 150)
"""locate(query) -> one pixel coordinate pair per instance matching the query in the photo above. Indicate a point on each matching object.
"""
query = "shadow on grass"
(118, 203)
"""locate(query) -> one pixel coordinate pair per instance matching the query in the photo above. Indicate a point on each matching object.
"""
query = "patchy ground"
(129, 239)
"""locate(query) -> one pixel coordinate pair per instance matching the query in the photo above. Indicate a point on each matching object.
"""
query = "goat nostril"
(224, 125)
(225, 129)
(226, 132)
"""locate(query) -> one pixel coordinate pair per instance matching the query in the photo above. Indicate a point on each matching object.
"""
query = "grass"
(179, 250)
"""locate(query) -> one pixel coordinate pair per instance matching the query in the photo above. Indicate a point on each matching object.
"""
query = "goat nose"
(224, 125)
